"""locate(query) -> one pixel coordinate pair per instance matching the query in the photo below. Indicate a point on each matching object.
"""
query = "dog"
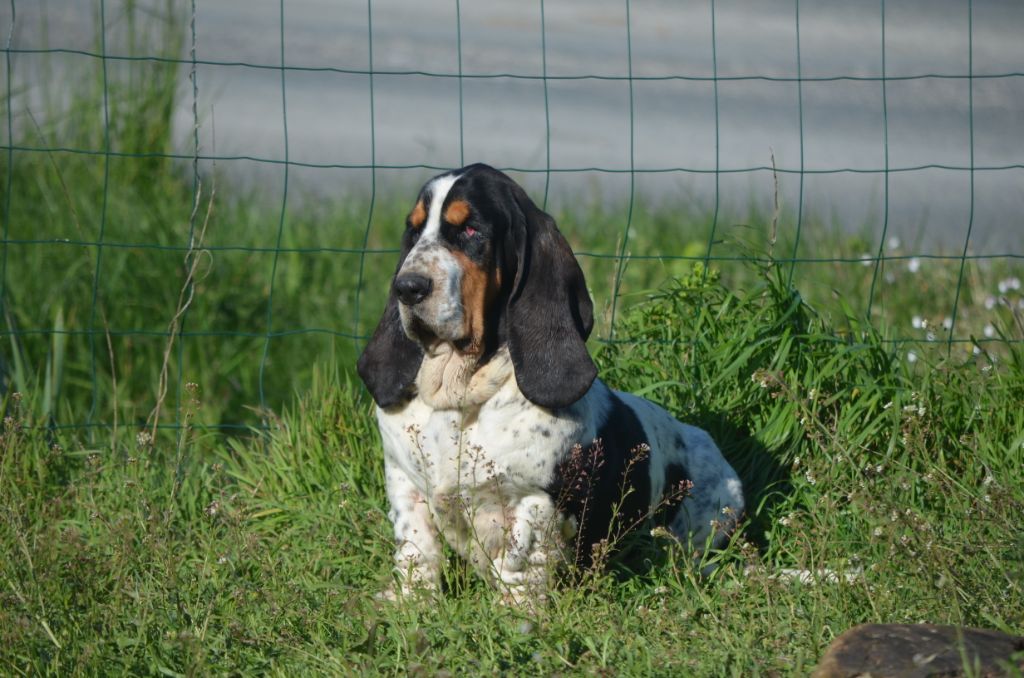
(498, 438)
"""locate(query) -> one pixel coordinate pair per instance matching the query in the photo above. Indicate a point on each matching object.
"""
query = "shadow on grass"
(766, 483)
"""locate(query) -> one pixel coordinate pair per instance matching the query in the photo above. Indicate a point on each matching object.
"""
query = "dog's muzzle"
(428, 290)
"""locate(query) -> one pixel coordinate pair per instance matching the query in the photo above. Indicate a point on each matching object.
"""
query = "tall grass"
(104, 306)
(217, 555)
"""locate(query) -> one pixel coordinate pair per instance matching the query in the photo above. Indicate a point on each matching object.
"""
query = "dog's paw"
(525, 599)
(397, 593)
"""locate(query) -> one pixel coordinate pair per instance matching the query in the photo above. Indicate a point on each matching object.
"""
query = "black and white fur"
(498, 438)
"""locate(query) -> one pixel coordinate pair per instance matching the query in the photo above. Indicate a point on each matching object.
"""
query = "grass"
(114, 325)
(112, 234)
(865, 441)
(264, 554)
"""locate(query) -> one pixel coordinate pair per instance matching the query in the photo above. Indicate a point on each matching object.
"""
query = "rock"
(919, 651)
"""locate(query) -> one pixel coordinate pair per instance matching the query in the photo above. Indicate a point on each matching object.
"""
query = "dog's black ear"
(390, 362)
(550, 314)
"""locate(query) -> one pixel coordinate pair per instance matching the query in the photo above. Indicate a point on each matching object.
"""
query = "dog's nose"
(412, 288)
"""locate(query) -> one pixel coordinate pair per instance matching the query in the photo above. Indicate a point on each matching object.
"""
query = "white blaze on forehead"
(438, 189)
(441, 311)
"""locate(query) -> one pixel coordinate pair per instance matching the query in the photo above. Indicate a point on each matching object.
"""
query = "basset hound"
(498, 438)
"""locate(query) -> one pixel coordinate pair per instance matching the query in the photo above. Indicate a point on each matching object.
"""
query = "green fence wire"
(19, 148)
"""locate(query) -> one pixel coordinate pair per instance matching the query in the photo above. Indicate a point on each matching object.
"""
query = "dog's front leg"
(535, 548)
(418, 546)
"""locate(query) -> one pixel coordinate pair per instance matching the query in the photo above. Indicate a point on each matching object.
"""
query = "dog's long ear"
(550, 314)
(390, 362)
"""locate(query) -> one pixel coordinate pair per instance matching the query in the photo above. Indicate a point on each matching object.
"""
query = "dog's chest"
(507, 447)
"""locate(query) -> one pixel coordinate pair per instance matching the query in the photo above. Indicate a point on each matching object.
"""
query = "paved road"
(418, 118)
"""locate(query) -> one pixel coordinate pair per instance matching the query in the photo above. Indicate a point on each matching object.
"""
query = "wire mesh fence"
(140, 267)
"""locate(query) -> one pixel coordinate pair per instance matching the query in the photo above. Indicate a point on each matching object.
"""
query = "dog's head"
(482, 266)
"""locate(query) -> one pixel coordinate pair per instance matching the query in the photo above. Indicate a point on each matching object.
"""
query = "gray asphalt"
(418, 120)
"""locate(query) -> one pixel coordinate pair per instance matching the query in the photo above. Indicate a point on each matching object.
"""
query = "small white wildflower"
(810, 394)
(887, 405)
(987, 368)
(917, 322)
(947, 323)
(911, 357)
(796, 461)
(866, 259)
(921, 411)
(803, 421)
(989, 331)
(930, 336)
(1008, 284)
(879, 468)
(990, 303)
(222, 560)
(810, 478)
(894, 242)
(914, 265)
(786, 521)
(987, 499)
(909, 408)
(976, 350)
(988, 480)
(878, 532)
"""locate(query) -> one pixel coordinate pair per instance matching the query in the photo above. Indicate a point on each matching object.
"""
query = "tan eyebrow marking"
(418, 215)
(457, 212)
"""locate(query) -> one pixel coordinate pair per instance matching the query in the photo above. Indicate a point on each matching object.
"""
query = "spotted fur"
(498, 438)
